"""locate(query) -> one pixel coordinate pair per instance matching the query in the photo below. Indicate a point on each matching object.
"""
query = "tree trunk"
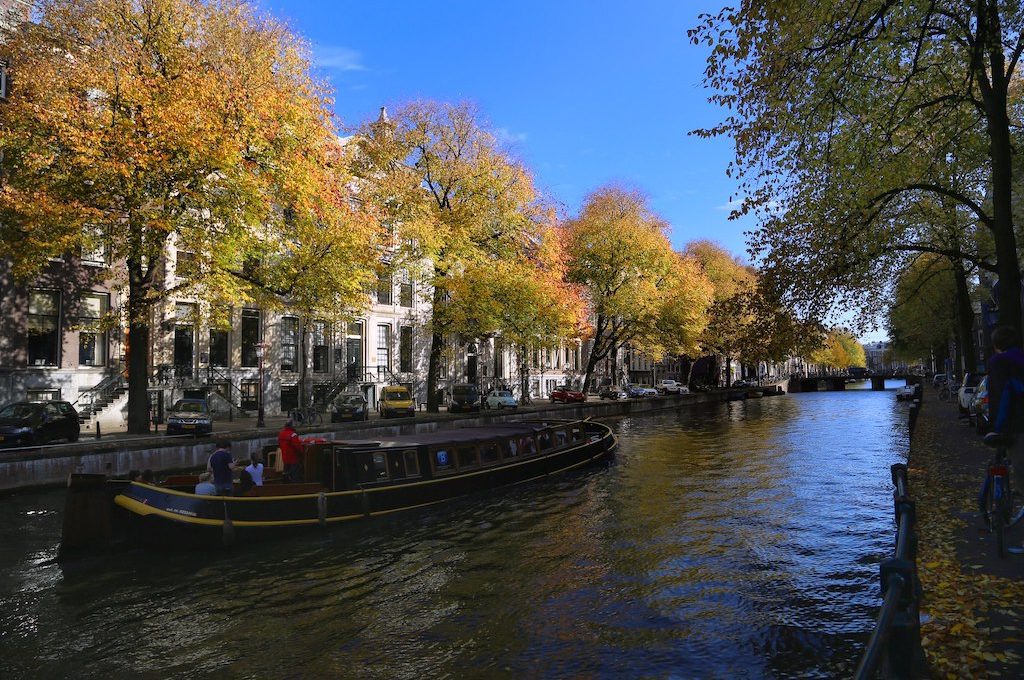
(524, 375)
(965, 318)
(436, 348)
(728, 371)
(1000, 153)
(304, 370)
(138, 357)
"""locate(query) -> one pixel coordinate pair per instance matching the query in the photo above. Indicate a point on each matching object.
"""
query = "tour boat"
(344, 481)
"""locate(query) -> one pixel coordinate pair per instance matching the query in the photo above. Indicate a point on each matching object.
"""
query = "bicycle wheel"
(997, 509)
(315, 418)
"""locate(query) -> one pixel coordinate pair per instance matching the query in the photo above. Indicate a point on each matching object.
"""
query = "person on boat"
(291, 451)
(134, 476)
(205, 487)
(221, 465)
(245, 483)
(147, 476)
(255, 469)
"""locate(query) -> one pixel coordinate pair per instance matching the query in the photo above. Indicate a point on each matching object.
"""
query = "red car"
(565, 395)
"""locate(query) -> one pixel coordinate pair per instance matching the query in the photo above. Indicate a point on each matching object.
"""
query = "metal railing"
(894, 649)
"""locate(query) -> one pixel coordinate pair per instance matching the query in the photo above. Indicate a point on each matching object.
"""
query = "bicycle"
(996, 497)
(945, 393)
(306, 416)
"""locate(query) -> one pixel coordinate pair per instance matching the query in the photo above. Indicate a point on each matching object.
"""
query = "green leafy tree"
(845, 114)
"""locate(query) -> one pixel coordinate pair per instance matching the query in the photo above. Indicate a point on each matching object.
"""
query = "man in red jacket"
(291, 452)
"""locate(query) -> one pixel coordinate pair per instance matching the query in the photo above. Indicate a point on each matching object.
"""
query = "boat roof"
(453, 436)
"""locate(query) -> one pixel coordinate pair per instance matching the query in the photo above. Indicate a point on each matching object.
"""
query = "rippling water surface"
(740, 540)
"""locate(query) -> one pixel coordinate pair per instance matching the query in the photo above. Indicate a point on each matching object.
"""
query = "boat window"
(511, 448)
(529, 446)
(560, 438)
(442, 460)
(545, 440)
(489, 453)
(397, 466)
(577, 433)
(412, 463)
(467, 457)
(380, 466)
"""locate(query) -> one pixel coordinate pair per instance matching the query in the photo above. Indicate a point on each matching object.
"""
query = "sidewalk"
(973, 604)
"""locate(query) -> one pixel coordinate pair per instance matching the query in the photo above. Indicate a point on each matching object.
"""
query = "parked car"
(396, 401)
(349, 406)
(966, 392)
(566, 394)
(939, 379)
(978, 411)
(465, 397)
(27, 423)
(905, 393)
(742, 383)
(612, 392)
(190, 416)
(670, 387)
(634, 391)
(500, 399)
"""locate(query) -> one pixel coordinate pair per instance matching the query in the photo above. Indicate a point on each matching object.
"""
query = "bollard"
(915, 408)
(98, 435)
(904, 657)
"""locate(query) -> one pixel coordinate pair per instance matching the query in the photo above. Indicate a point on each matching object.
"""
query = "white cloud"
(337, 58)
(506, 136)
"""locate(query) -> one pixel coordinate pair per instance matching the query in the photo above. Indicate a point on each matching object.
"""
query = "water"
(740, 540)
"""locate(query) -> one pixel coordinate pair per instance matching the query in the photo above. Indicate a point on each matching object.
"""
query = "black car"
(29, 423)
(465, 397)
(190, 416)
(349, 407)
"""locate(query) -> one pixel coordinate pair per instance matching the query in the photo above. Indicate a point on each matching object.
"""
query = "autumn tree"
(139, 124)
(840, 350)
(845, 114)
(454, 198)
(525, 302)
(729, 315)
(637, 289)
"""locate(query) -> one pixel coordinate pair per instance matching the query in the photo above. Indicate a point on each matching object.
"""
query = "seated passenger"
(147, 477)
(245, 482)
(255, 469)
(205, 487)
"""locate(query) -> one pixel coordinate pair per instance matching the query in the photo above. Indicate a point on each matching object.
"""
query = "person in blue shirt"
(222, 465)
(205, 487)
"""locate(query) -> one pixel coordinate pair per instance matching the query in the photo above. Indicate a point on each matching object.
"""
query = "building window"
(289, 343)
(3, 80)
(289, 398)
(384, 345)
(384, 290)
(250, 390)
(405, 349)
(42, 395)
(43, 317)
(219, 348)
(184, 340)
(321, 350)
(185, 264)
(354, 352)
(250, 337)
(92, 340)
(94, 250)
(405, 291)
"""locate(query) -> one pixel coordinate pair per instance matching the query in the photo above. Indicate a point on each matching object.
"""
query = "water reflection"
(736, 540)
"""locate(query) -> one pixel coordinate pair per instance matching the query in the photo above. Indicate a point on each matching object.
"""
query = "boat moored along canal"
(344, 480)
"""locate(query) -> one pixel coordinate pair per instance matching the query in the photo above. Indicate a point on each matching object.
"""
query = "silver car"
(500, 399)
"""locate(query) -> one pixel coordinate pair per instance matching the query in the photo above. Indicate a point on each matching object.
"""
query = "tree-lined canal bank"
(735, 539)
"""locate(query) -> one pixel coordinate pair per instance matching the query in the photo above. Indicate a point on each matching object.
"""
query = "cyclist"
(1006, 394)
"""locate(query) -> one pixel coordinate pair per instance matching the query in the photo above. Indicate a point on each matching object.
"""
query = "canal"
(736, 540)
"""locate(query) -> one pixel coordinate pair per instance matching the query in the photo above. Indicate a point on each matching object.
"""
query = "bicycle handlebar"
(998, 440)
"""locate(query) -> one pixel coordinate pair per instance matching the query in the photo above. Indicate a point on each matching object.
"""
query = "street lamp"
(260, 348)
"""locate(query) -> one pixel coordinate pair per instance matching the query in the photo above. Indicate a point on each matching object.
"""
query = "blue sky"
(586, 92)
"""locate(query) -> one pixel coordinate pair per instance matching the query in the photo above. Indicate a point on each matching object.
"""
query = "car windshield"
(397, 395)
(352, 399)
(503, 394)
(17, 411)
(190, 407)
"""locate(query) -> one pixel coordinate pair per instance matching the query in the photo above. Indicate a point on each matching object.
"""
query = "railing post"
(904, 657)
